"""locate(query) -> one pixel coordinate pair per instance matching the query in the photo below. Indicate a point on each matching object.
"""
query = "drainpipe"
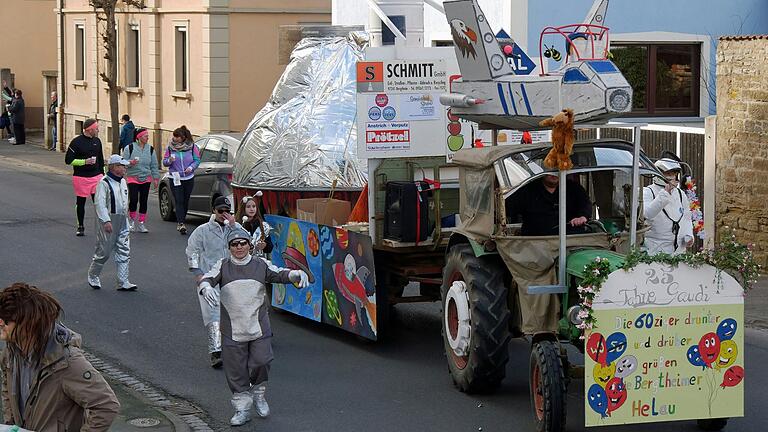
(60, 93)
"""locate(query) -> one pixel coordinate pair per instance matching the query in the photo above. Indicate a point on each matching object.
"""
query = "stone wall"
(742, 140)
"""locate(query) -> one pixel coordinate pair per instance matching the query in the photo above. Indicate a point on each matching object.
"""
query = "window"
(133, 56)
(212, 152)
(442, 43)
(674, 71)
(182, 57)
(78, 127)
(80, 52)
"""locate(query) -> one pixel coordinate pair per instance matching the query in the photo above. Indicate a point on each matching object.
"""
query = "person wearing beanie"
(142, 172)
(667, 209)
(245, 328)
(87, 160)
(206, 246)
(112, 234)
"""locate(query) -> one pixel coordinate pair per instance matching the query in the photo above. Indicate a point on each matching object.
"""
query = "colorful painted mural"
(340, 267)
(296, 247)
(349, 290)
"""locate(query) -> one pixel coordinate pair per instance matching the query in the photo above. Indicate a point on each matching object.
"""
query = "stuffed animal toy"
(562, 140)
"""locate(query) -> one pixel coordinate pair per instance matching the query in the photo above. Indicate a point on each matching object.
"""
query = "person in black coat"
(537, 204)
(16, 108)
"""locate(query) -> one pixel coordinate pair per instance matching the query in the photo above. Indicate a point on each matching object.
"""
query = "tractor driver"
(537, 204)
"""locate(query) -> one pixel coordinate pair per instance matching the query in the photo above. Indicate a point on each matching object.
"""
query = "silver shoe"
(242, 403)
(94, 282)
(127, 286)
(141, 228)
(262, 407)
(131, 225)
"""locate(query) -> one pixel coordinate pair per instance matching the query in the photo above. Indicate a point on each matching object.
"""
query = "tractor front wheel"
(712, 424)
(547, 382)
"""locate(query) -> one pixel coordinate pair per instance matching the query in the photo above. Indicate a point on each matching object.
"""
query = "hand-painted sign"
(668, 345)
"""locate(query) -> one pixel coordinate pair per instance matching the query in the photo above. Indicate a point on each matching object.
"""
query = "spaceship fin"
(596, 14)
(477, 50)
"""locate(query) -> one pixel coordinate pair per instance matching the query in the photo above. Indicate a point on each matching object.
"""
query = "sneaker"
(127, 287)
(94, 282)
(182, 229)
(80, 231)
(12, 140)
(216, 361)
(141, 228)
(131, 225)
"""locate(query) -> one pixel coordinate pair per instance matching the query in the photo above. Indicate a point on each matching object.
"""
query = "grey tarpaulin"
(305, 137)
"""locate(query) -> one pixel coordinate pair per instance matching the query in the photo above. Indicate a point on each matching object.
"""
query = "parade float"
(397, 135)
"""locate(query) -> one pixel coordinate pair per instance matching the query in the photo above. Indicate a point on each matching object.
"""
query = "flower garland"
(696, 215)
(729, 256)
(595, 273)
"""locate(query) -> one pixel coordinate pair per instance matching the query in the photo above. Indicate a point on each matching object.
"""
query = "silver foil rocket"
(305, 137)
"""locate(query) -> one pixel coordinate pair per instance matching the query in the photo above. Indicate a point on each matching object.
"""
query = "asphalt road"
(322, 379)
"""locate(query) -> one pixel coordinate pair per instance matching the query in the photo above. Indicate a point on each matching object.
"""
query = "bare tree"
(105, 15)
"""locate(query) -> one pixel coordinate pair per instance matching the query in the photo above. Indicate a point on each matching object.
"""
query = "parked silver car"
(213, 177)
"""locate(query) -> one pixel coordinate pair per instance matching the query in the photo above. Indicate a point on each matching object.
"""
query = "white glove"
(209, 294)
(299, 278)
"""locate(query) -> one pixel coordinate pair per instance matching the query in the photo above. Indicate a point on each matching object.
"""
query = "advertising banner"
(399, 110)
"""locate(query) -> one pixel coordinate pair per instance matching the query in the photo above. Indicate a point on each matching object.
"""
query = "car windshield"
(518, 168)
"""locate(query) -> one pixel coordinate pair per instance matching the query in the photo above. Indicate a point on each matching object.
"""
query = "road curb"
(184, 415)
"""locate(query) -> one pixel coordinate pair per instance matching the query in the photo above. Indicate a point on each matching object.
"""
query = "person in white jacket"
(206, 246)
(668, 211)
(112, 231)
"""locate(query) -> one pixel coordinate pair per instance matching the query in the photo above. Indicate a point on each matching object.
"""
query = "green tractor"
(498, 284)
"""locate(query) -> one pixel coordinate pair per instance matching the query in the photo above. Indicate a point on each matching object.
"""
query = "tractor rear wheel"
(475, 319)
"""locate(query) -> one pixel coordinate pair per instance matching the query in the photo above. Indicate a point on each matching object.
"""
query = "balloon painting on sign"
(609, 392)
(717, 352)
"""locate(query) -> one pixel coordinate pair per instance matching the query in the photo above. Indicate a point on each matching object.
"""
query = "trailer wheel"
(548, 386)
(475, 319)
(712, 424)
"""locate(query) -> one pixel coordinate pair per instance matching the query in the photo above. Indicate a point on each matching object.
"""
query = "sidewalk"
(34, 155)
(137, 414)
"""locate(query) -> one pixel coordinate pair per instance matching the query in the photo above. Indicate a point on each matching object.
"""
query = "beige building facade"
(28, 35)
(207, 64)
(742, 140)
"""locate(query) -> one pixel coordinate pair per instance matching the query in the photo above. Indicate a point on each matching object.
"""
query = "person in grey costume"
(112, 233)
(205, 247)
(245, 328)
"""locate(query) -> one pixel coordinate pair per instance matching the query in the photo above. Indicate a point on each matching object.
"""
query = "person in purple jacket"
(182, 158)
